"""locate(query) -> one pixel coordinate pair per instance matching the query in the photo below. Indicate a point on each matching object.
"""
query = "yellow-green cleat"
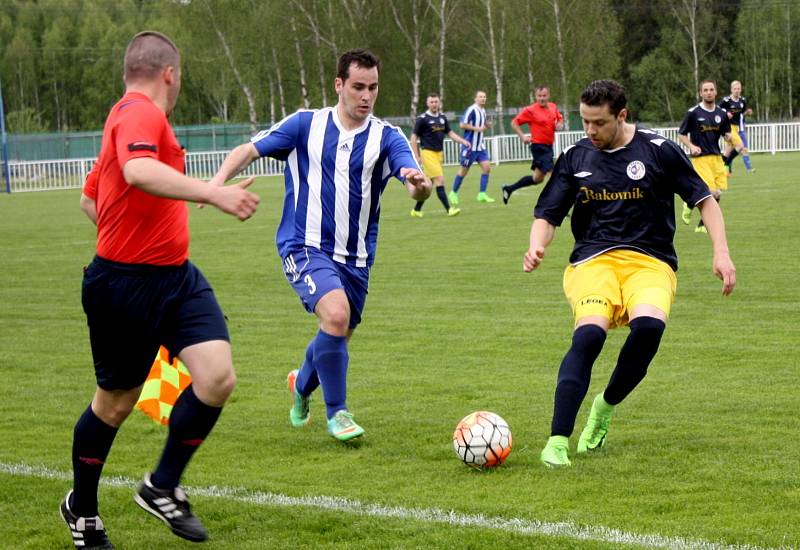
(593, 436)
(700, 229)
(452, 196)
(483, 197)
(343, 427)
(556, 453)
(453, 211)
(417, 214)
(299, 414)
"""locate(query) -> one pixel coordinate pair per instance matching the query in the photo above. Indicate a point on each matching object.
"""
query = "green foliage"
(24, 121)
(705, 448)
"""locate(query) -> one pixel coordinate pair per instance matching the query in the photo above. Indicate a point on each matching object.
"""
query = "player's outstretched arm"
(458, 139)
(157, 178)
(542, 233)
(89, 207)
(417, 183)
(722, 264)
(237, 160)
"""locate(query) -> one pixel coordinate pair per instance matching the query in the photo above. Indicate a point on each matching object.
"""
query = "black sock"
(574, 376)
(730, 157)
(189, 424)
(442, 197)
(418, 206)
(635, 356)
(524, 181)
(91, 443)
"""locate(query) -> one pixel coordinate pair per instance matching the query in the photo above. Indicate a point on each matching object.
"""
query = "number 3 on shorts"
(312, 286)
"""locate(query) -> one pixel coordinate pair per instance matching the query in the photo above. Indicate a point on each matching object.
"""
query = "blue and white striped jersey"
(334, 180)
(475, 116)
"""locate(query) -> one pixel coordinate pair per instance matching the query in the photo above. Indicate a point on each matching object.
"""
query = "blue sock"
(484, 182)
(90, 446)
(746, 159)
(331, 359)
(307, 379)
(457, 183)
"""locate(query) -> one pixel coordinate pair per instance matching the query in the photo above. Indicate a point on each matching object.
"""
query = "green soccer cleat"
(452, 196)
(483, 197)
(556, 453)
(343, 427)
(686, 215)
(299, 414)
(417, 214)
(453, 211)
(700, 229)
(593, 435)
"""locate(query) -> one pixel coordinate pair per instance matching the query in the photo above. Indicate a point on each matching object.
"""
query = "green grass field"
(704, 454)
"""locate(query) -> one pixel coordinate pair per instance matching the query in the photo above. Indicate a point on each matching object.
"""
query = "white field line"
(565, 530)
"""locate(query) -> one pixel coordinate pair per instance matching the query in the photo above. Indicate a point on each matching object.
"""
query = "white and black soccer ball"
(482, 440)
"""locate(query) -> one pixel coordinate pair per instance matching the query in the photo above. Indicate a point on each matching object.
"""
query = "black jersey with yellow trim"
(621, 198)
(704, 127)
(431, 129)
(736, 107)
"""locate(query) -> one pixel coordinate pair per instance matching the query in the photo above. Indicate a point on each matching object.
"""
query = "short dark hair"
(707, 81)
(605, 92)
(361, 57)
(148, 53)
(541, 87)
(433, 94)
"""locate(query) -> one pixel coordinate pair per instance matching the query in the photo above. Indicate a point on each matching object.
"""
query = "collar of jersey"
(707, 110)
(344, 130)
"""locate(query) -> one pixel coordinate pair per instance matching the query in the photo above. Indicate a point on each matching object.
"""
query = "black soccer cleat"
(172, 507)
(87, 533)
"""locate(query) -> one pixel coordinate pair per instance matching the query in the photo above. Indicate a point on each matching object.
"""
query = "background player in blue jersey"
(427, 142)
(619, 183)
(737, 109)
(338, 162)
(474, 123)
(700, 131)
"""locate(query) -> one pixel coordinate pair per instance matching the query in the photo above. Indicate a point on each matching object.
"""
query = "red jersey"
(134, 226)
(541, 121)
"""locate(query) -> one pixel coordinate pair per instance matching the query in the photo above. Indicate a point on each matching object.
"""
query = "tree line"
(255, 61)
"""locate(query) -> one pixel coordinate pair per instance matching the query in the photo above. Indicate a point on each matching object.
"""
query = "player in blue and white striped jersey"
(474, 123)
(338, 162)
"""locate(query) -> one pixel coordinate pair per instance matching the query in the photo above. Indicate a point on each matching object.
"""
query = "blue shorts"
(468, 156)
(313, 274)
(542, 157)
(133, 309)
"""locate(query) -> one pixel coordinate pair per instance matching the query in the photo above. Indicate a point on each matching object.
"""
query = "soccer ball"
(482, 440)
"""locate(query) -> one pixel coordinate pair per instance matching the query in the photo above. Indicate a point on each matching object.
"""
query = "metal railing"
(47, 175)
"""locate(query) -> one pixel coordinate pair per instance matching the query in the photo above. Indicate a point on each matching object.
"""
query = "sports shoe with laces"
(453, 211)
(343, 427)
(700, 229)
(417, 213)
(452, 196)
(87, 533)
(483, 197)
(172, 507)
(299, 414)
(686, 215)
(556, 453)
(506, 194)
(593, 435)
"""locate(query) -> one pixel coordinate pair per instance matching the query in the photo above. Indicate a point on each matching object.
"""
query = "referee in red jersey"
(543, 119)
(140, 291)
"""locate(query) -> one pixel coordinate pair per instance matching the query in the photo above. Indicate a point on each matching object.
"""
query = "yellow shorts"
(712, 171)
(432, 163)
(613, 283)
(736, 139)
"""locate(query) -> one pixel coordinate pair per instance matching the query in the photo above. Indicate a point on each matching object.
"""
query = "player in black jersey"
(619, 183)
(427, 142)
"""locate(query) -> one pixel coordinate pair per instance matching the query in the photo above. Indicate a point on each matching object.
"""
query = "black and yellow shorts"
(612, 284)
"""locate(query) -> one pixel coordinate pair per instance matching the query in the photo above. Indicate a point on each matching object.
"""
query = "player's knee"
(215, 386)
(588, 340)
(336, 321)
(648, 328)
(114, 412)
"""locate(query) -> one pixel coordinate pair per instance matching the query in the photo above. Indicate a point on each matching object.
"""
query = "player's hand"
(694, 150)
(236, 200)
(213, 181)
(533, 257)
(730, 115)
(526, 139)
(419, 181)
(725, 271)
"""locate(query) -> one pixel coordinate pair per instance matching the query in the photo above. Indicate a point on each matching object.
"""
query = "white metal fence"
(46, 175)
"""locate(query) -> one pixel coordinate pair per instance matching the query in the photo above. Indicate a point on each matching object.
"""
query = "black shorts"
(133, 309)
(542, 157)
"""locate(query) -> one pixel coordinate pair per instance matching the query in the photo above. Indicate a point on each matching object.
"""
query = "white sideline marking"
(430, 515)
